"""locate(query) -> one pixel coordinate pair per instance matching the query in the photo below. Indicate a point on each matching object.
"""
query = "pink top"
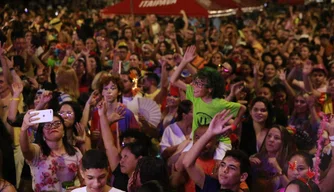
(48, 172)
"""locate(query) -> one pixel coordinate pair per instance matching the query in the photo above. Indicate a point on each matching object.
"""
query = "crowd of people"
(246, 100)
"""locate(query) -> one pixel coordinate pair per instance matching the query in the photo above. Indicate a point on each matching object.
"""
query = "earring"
(43, 138)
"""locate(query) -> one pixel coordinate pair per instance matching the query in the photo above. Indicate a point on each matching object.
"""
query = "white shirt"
(83, 189)
(132, 104)
(172, 136)
(220, 150)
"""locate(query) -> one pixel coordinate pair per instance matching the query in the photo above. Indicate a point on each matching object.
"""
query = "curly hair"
(214, 81)
(115, 79)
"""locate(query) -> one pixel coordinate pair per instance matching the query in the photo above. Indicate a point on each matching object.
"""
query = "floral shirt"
(48, 172)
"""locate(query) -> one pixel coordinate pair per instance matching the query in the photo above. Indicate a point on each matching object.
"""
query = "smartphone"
(44, 116)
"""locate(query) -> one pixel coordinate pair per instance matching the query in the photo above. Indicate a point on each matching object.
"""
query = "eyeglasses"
(65, 113)
(199, 83)
(54, 124)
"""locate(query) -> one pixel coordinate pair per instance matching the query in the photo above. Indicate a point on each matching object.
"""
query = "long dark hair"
(151, 186)
(305, 186)
(70, 150)
(152, 168)
(77, 113)
(184, 107)
(287, 146)
(268, 105)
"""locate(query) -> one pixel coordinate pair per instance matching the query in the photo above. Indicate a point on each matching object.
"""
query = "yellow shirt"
(328, 106)
(152, 95)
(4, 107)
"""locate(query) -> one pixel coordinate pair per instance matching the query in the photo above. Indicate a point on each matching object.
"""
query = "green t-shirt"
(203, 112)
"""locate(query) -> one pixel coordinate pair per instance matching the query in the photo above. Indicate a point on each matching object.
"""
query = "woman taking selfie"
(53, 160)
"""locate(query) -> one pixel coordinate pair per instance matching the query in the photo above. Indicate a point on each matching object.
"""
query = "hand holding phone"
(43, 116)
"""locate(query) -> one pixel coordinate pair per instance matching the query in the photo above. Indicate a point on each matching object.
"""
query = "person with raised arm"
(206, 93)
(122, 163)
(53, 161)
(234, 167)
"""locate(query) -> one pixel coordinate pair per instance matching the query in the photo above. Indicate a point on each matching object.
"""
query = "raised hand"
(81, 133)
(307, 68)
(217, 125)
(28, 120)
(118, 114)
(17, 89)
(10, 62)
(46, 97)
(282, 75)
(33, 82)
(190, 54)
(85, 52)
(92, 101)
(102, 110)
(236, 88)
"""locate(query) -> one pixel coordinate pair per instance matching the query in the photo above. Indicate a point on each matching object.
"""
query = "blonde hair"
(67, 81)
(97, 79)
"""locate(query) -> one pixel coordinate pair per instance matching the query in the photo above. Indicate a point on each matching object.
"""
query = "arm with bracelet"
(14, 101)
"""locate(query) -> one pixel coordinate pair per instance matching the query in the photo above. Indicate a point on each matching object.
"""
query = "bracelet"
(11, 69)
(15, 99)
(233, 127)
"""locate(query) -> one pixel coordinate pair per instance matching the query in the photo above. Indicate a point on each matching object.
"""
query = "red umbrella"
(159, 7)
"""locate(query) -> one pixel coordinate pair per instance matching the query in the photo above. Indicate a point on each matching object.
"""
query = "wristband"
(15, 99)
(233, 127)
